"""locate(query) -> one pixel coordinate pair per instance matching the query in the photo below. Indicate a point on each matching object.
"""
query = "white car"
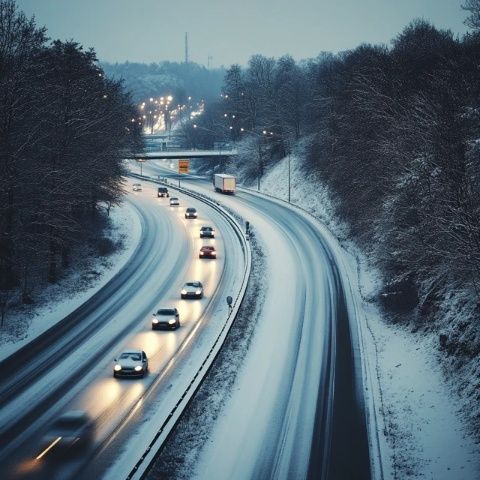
(137, 187)
(174, 202)
(192, 290)
(131, 363)
(166, 318)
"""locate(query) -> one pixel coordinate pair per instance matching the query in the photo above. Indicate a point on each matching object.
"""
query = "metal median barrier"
(142, 466)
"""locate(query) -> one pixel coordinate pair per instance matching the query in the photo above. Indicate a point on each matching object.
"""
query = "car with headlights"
(71, 431)
(166, 318)
(174, 202)
(137, 187)
(162, 192)
(208, 251)
(207, 232)
(191, 212)
(192, 290)
(131, 363)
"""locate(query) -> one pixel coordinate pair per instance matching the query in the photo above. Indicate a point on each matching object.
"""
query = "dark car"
(162, 192)
(208, 251)
(72, 431)
(166, 318)
(207, 232)
(131, 363)
(192, 290)
(191, 212)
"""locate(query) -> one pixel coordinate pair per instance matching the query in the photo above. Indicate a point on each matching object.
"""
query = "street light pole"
(289, 176)
(267, 134)
(260, 162)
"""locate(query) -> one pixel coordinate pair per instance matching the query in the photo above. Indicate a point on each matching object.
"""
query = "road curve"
(39, 381)
(303, 414)
(74, 371)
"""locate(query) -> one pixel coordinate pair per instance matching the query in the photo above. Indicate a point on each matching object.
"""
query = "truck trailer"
(224, 183)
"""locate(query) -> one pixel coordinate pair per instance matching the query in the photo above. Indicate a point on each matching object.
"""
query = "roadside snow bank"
(58, 300)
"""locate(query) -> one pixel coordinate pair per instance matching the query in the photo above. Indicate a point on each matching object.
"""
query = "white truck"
(224, 183)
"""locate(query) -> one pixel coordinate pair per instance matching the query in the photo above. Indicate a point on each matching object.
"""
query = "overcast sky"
(231, 31)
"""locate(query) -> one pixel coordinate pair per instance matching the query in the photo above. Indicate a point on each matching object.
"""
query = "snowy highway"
(239, 241)
(296, 410)
(73, 370)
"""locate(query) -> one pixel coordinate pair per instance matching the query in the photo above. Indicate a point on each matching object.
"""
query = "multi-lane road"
(74, 371)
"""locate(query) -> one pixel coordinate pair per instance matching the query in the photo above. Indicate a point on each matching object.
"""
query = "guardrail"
(143, 465)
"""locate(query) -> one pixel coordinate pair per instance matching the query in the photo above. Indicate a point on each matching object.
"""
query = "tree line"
(180, 79)
(394, 133)
(64, 129)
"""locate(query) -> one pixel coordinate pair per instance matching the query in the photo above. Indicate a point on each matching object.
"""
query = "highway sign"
(183, 166)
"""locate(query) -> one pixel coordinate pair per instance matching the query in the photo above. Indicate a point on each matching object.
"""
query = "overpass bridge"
(174, 154)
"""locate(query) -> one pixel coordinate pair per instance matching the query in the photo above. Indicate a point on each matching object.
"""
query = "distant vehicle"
(207, 232)
(192, 290)
(174, 202)
(224, 183)
(166, 318)
(137, 187)
(162, 192)
(72, 430)
(208, 251)
(191, 212)
(131, 363)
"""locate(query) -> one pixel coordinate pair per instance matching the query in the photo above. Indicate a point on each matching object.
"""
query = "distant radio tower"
(209, 61)
(186, 47)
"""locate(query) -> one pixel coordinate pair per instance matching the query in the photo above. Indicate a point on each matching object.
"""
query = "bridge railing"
(228, 148)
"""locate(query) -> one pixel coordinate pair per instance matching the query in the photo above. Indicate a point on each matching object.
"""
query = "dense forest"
(64, 129)
(394, 132)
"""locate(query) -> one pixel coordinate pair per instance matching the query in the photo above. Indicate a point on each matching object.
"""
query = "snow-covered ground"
(424, 435)
(58, 300)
